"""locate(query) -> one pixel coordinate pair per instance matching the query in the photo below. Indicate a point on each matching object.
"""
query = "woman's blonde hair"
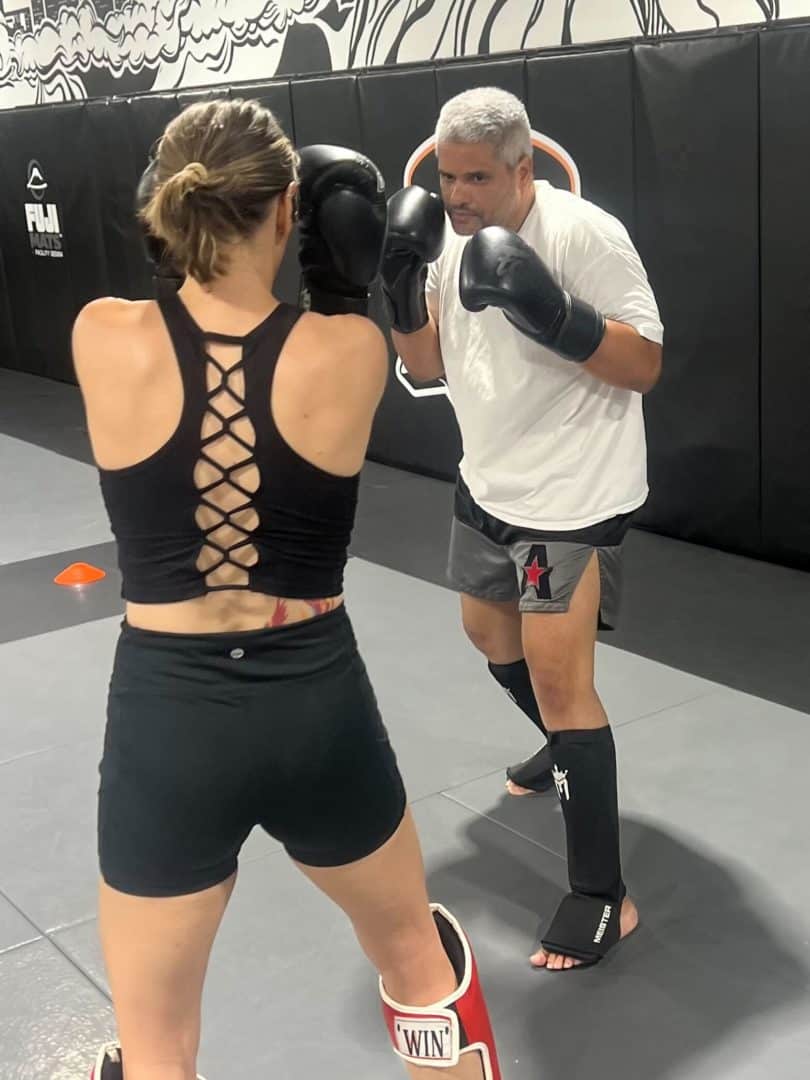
(219, 165)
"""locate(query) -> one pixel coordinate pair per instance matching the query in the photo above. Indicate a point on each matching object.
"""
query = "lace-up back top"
(226, 503)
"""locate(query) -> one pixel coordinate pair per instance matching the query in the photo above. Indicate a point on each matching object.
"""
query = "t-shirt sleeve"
(602, 267)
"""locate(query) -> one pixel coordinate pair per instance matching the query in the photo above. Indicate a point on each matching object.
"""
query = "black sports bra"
(226, 503)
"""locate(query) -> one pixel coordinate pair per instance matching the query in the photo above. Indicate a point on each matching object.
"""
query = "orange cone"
(79, 573)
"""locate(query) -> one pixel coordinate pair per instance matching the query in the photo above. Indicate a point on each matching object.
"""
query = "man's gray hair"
(489, 115)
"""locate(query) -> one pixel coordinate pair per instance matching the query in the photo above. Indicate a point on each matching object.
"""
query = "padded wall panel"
(785, 103)
(327, 111)
(50, 221)
(585, 102)
(452, 79)
(117, 166)
(697, 229)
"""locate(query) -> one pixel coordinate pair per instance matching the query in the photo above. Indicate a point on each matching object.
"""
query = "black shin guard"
(585, 775)
(587, 923)
(535, 773)
(517, 682)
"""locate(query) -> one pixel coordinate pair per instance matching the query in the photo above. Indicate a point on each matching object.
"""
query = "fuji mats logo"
(41, 217)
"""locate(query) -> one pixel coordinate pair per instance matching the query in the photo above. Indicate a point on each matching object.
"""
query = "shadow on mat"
(713, 956)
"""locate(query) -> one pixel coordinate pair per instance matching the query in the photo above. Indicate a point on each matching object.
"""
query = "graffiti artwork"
(64, 50)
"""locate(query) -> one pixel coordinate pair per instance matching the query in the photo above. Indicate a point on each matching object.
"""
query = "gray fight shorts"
(492, 560)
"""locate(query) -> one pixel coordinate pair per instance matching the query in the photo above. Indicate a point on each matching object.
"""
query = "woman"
(229, 430)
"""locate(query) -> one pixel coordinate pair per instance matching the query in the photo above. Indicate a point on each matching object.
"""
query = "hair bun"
(191, 178)
(200, 210)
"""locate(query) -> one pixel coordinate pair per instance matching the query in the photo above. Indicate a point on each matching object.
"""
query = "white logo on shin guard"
(603, 925)
(561, 780)
(425, 1040)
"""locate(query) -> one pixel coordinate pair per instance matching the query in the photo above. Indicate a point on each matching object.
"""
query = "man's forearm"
(420, 352)
(625, 359)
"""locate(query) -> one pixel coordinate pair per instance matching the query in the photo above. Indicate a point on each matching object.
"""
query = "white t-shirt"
(547, 445)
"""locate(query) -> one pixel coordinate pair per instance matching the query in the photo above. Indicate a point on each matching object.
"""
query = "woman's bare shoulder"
(351, 348)
(103, 322)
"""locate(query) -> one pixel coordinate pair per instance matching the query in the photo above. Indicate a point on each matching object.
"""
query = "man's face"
(479, 190)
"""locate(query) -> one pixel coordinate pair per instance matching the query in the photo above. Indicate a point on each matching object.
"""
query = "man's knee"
(495, 634)
(481, 636)
(562, 679)
(554, 686)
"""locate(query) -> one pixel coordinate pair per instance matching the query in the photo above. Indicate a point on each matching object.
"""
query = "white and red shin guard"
(438, 1035)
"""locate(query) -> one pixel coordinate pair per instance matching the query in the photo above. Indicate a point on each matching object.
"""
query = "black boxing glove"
(415, 238)
(341, 228)
(499, 270)
(165, 278)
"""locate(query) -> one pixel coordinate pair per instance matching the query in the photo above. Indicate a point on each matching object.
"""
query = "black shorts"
(492, 560)
(210, 734)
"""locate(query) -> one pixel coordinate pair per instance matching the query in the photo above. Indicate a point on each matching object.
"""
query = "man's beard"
(467, 223)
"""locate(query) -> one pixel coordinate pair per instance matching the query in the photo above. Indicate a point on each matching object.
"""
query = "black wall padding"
(148, 117)
(697, 230)
(785, 61)
(118, 163)
(192, 97)
(452, 79)
(415, 433)
(585, 102)
(327, 111)
(8, 346)
(44, 292)
(9, 357)
(410, 97)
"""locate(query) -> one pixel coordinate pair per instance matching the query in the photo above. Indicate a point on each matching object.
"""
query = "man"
(539, 314)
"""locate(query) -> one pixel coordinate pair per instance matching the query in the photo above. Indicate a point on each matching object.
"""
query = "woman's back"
(229, 437)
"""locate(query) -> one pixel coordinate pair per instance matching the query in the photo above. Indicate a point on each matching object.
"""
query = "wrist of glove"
(165, 279)
(498, 269)
(328, 299)
(415, 239)
(404, 291)
(575, 335)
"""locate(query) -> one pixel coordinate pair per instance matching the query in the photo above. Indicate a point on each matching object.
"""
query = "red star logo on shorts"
(534, 571)
(537, 574)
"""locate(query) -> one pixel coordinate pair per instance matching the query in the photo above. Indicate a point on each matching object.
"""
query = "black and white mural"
(62, 50)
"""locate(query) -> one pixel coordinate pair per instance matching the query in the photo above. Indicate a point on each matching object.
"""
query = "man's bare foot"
(515, 789)
(628, 921)
(537, 770)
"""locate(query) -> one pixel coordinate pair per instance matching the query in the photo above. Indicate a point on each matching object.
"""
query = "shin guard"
(535, 772)
(587, 922)
(438, 1035)
(517, 682)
